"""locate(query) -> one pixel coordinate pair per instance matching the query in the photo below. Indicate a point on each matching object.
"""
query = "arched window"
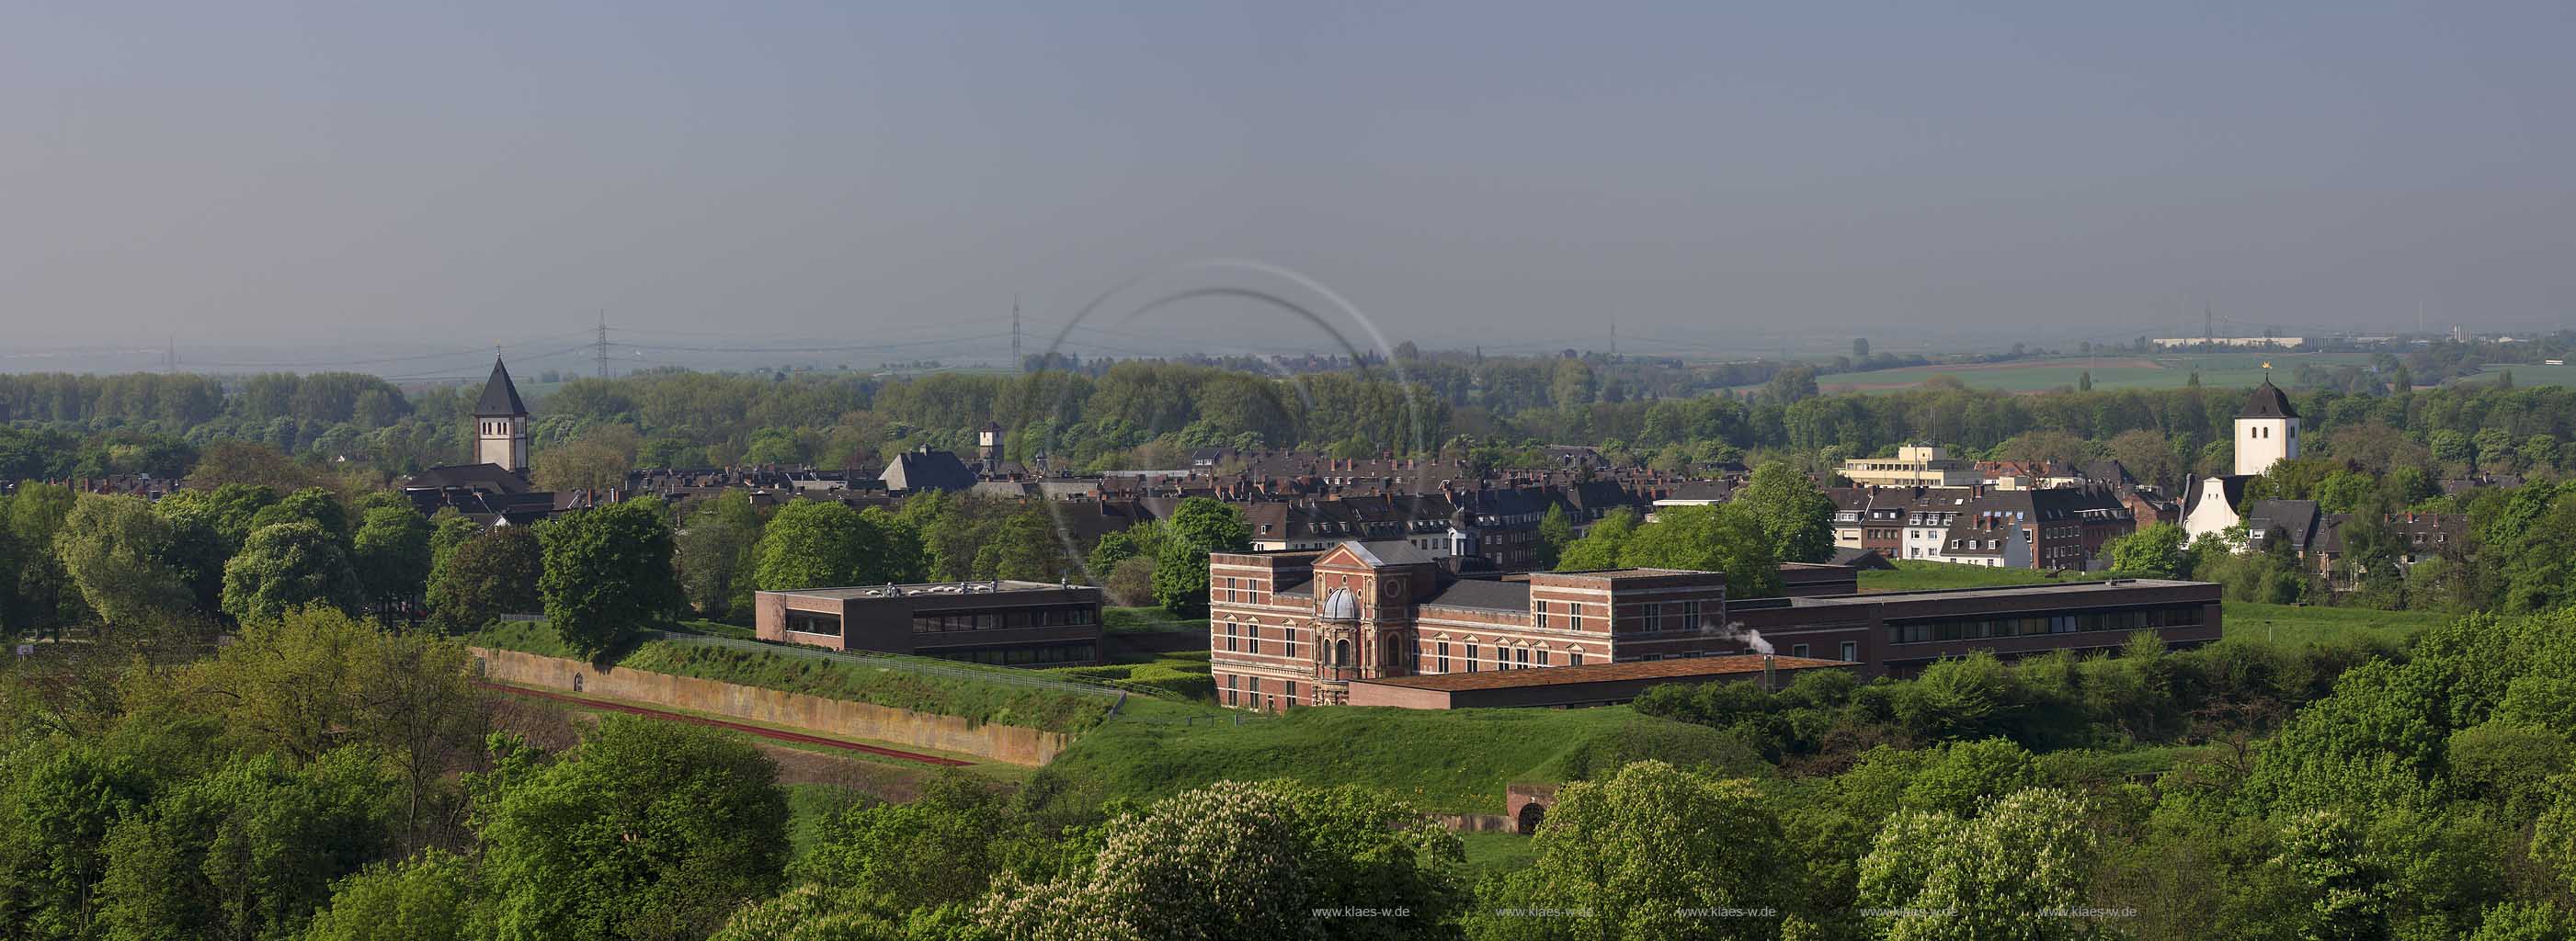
(1341, 653)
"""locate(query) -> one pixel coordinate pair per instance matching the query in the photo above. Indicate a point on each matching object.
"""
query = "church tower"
(501, 423)
(2267, 431)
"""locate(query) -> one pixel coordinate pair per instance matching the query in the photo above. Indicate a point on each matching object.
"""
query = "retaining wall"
(1013, 744)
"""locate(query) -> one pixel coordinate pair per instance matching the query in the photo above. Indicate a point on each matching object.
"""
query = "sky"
(248, 177)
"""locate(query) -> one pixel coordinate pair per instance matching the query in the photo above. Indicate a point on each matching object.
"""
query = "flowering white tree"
(2008, 874)
(1237, 860)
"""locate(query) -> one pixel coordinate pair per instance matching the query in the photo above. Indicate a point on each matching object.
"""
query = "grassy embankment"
(941, 693)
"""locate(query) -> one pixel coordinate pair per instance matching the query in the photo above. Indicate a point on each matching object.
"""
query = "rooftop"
(998, 586)
(1682, 668)
(1998, 591)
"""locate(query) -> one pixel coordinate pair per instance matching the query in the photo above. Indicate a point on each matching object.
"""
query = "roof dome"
(1341, 605)
(2268, 402)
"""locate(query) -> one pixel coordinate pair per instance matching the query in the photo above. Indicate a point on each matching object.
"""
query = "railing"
(893, 662)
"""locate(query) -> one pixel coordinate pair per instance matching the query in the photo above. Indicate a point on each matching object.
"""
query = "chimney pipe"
(1770, 675)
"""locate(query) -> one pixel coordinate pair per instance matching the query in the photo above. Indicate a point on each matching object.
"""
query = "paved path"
(779, 735)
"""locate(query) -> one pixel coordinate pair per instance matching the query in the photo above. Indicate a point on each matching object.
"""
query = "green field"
(2523, 375)
(2310, 624)
(1147, 621)
(1444, 761)
(2151, 371)
(1914, 575)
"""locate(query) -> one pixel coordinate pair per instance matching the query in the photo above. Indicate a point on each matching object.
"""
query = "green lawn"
(2128, 371)
(2532, 374)
(1915, 575)
(1183, 674)
(1147, 621)
(949, 688)
(2298, 624)
(1494, 854)
(1451, 761)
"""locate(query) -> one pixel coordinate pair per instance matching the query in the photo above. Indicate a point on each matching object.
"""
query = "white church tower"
(501, 423)
(2267, 431)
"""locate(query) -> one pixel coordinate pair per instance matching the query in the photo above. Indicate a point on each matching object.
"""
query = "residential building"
(1915, 465)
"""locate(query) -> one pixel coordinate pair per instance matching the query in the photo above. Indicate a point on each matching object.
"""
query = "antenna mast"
(599, 348)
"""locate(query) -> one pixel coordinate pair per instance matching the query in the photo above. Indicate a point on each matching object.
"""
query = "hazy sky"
(1476, 172)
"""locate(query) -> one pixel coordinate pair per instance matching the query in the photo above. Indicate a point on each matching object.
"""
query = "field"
(1445, 761)
(2309, 624)
(2523, 375)
(2152, 371)
(1913, 575)
(1147, 621)
(946, 688)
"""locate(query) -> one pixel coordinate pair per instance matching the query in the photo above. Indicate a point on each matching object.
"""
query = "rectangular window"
(1574, 659)
(1851, 651)
(1542, 656)
(1471, 658)
(1229, 689)
(1541, 608)
(1229, 637)
(1797, 650)
(1520, 657)
(1292, 692)
(1444, 656)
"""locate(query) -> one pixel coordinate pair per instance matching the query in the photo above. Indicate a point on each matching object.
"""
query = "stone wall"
(1005, 743)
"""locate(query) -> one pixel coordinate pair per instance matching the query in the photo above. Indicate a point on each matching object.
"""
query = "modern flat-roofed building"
(1003, 622)
(1309, 627)
(1915, 465)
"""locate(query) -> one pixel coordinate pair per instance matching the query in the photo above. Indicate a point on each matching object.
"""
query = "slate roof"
(500, 395)
(1478, 594)
(2268, 402)
(1390, 552)
(927, 470)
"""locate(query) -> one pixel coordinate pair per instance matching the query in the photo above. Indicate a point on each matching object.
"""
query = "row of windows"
(1083, 652)
(1246, 638)
(809, 622)
(1250, 694)
(1505, 658)
(1984, 628)
(935, 622)
(1661, 616)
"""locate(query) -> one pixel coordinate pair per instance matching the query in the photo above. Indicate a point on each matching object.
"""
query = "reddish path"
(721, 724)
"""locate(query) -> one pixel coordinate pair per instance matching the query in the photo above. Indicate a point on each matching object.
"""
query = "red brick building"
(1297, 628)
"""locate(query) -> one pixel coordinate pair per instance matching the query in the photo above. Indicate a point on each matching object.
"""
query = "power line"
(600, 351)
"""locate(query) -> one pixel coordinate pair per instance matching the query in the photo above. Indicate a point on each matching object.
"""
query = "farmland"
(2154, 371)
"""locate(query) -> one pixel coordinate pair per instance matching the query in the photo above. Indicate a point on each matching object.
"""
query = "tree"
(812, 912)
(1242, 860)
(390, 552)
(285, 566)
(429, 897)
(2154, 549)
(448, 529)
(1725, 538)
(944, 847)
(587, 465)
(493, 574)
(1794, 383)
(114, 550)
(1860, 349)
(1990, 876)
(607, 573)
(2084, 382)
(2345, 888)
(1555, 532)
(646, 830)
(309, 505)
(1795, 517)
(1197, 527)
(715, 554)
(46, 595)
(812, 544)
(54, 820)
(207, 528)
(1602, 546)
(246, 852)
(1639, 848)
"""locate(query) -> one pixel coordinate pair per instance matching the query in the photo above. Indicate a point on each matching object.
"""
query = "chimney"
(1770, 674)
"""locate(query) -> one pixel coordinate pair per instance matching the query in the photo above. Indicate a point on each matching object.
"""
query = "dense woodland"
(334, 773)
